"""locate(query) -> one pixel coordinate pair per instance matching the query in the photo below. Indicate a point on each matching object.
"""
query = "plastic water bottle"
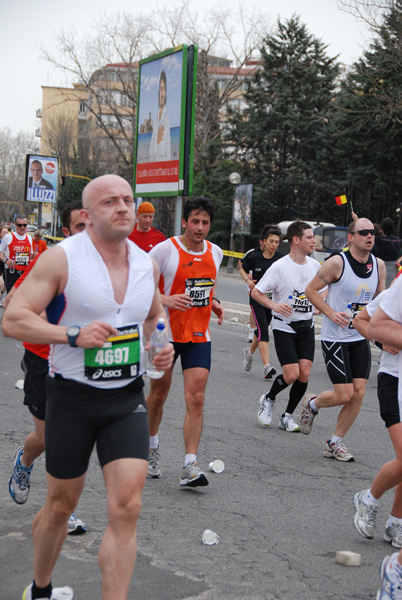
(11, 269)
(290, 303)
(158, 341)
(344, 331)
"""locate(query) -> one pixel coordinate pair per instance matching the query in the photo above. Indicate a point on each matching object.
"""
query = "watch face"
(74, 330)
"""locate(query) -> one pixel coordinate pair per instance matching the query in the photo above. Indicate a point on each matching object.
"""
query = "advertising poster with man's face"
(41, 179)
(159, 125)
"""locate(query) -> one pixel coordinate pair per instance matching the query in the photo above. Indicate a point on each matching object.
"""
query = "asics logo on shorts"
(101, 374)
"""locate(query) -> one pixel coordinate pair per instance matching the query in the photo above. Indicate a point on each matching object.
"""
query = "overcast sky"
(25, 24)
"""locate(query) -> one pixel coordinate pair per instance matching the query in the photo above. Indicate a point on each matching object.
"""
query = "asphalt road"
(231, 288)
(281, 509)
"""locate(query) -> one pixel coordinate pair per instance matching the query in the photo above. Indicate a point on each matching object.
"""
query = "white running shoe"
(338, 451)
(307, 416)
(192, 476)
(365, 515)
(154, 468)
(76, 526)
(269, 371)
(265, 412)
(64, 593)
(247, 360)
(250, 335)
(286, 422)
(393, 534)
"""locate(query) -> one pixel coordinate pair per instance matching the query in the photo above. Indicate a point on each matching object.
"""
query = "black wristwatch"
(72, 333)
(214, 298)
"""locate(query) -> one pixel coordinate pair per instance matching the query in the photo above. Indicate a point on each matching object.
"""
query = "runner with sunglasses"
(19, 246)
(353, 278)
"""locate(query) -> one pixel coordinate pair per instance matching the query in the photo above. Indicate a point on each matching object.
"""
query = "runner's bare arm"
(164, 359)
(381, 277)
(329, 272)
(385, 330)
(217, 307)
(177, 301)
(22, 318)
(361, 324)
(247, 278)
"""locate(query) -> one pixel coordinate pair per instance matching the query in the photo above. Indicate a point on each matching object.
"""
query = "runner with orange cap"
(143, 234)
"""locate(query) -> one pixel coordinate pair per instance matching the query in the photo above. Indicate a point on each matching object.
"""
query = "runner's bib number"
(22, 258)
(199, 290)
(119, 357)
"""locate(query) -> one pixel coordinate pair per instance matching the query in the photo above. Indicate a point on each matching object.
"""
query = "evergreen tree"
(369, 122)
(282, 135)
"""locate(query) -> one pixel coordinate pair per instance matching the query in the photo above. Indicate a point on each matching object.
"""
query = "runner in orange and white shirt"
(189, 266)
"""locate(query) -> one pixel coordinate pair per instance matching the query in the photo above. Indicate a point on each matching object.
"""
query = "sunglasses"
(365, 232)
(22, 224)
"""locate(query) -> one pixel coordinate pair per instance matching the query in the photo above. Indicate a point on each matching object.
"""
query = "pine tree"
(369, 123)
(282, 134)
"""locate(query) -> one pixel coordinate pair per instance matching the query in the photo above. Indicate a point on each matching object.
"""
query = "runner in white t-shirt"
(292, 323)
(386, 327)
(366, 501)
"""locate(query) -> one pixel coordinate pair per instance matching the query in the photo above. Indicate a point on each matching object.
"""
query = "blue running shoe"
(19, 484)
(391, 582)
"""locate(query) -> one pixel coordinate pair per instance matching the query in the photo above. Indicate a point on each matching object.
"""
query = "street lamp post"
(234, 179)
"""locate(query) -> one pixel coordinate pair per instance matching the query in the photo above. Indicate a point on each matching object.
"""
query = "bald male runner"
(102, 302)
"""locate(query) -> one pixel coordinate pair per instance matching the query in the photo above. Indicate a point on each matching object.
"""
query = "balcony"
(38, 113)
(38, 132)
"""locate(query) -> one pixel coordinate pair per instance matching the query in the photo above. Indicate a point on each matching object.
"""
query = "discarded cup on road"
(210, 538)
(19, 384)
(217, 466)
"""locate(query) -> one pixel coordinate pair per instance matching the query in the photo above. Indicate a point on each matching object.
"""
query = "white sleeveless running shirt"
(349, 289)
(87, 297)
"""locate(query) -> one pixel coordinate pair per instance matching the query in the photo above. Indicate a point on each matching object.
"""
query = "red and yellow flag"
(341, 200)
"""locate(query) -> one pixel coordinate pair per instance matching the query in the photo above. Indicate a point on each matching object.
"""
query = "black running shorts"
(387, 392)
(80, 416)
(193, 355)
(292, 347)
(36, 369)
(347, 361)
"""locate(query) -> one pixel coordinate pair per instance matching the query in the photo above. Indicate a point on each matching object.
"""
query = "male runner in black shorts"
(292, 325)
(354, 278)
(102, 300)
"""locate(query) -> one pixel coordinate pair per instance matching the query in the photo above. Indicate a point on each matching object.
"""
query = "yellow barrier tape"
(234, 254)
(50, 237)
(225, 252)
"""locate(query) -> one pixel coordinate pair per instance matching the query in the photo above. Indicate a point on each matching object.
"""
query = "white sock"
(313, 406)
(369, 498)
(189, 458)
(392, 520)
(153, 442)
(335, 439)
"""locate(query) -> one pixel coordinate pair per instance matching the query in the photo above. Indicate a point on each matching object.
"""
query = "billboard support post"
(234, 179)
(177, 215)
